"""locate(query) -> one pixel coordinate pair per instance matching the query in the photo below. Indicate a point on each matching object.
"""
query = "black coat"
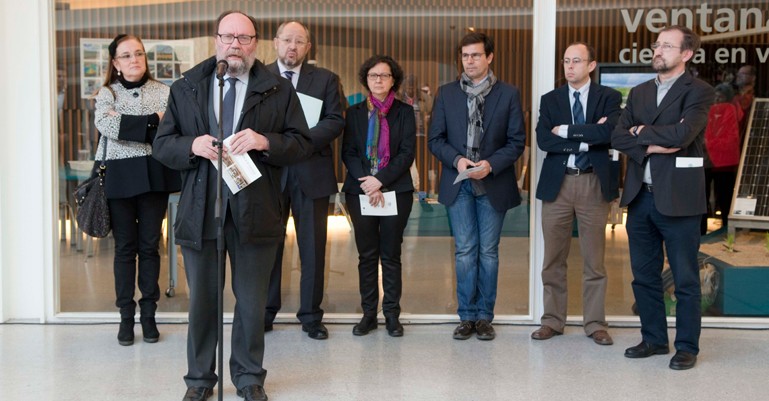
(272, 109)
(403, 138)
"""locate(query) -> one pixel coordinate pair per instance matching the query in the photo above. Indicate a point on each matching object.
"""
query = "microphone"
(221, 68)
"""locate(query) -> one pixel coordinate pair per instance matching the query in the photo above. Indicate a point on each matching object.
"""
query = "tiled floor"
(84, 362)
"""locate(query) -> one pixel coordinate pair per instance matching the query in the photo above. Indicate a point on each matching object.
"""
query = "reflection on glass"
(425, 44)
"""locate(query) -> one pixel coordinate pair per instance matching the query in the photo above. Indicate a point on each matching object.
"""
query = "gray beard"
(239, 68)
(290, 64)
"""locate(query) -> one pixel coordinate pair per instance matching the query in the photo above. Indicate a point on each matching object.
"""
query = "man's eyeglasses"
(663, 46)
(127, 56)
(242, 39)
(383, 77)
(474, 56)
(575, 60)
(288, 41)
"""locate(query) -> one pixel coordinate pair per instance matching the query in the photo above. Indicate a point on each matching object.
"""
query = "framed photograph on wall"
(166, 59)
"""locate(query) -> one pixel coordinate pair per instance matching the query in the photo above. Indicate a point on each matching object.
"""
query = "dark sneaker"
(464, 330)
(484, 331)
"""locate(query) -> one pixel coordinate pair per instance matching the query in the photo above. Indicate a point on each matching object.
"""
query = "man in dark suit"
(263, 118)
(575, 125)
(308, 184)
(477, 124)
(664, 191)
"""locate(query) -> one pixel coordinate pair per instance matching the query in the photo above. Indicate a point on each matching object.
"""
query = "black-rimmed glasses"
(383, 77)
(227, 38)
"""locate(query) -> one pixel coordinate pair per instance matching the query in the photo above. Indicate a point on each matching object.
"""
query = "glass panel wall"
(421, 35)
(735, 41)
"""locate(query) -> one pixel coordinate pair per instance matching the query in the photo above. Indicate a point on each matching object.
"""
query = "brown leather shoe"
(544, 333)
(602, 337)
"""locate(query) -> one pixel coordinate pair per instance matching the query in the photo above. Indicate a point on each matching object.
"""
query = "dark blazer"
(502, 141)
(554, 110)
(316, 174)
(678, 122)
(271, 108)
(403, 140)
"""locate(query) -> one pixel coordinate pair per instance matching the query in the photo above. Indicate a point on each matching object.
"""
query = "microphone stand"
(219, 219)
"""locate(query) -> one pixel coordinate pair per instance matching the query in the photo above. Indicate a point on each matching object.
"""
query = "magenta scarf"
(378, 138)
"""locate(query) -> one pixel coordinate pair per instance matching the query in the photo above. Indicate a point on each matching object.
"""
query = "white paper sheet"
(311, 107)
(390, 207)
(463, 175)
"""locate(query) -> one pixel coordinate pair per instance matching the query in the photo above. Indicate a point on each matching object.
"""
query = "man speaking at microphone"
(265, 119)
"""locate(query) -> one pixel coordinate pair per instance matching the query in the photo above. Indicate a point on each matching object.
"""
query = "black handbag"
(93, 211)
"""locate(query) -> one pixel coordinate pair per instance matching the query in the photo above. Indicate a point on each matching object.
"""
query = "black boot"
(125, 336)
(149, 329)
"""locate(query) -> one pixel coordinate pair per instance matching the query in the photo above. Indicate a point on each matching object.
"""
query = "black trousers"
(310, 222)
(380, 238)
(648, 232)
(250, 265)
(723, 187)
(136, 224)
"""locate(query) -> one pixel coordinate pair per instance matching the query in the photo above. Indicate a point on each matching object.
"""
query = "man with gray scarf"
(477, 125)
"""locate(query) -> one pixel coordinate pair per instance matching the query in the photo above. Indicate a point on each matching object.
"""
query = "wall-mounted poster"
(166, 59)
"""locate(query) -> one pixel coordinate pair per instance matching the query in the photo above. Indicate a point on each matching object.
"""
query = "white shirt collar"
(282, 68)
(582, 90)
(242, 78)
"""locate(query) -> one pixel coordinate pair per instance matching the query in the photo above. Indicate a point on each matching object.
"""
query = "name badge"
(688, 162)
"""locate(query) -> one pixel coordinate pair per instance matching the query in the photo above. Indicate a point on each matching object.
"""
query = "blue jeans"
(476, 227)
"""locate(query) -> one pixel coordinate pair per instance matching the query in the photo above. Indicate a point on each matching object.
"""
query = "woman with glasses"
(378, 149)
(129, 107)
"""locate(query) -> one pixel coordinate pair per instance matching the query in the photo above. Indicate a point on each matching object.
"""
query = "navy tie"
(581, 160)
(289, 75)
(228, 108)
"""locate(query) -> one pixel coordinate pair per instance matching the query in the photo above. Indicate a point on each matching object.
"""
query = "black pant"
(723, 187)
(310, 222)
(136, 224)
(380, 237)
(250, 265)
(648, 232)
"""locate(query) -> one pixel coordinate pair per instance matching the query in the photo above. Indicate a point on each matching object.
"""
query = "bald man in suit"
(574, 128)
(308, 184)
